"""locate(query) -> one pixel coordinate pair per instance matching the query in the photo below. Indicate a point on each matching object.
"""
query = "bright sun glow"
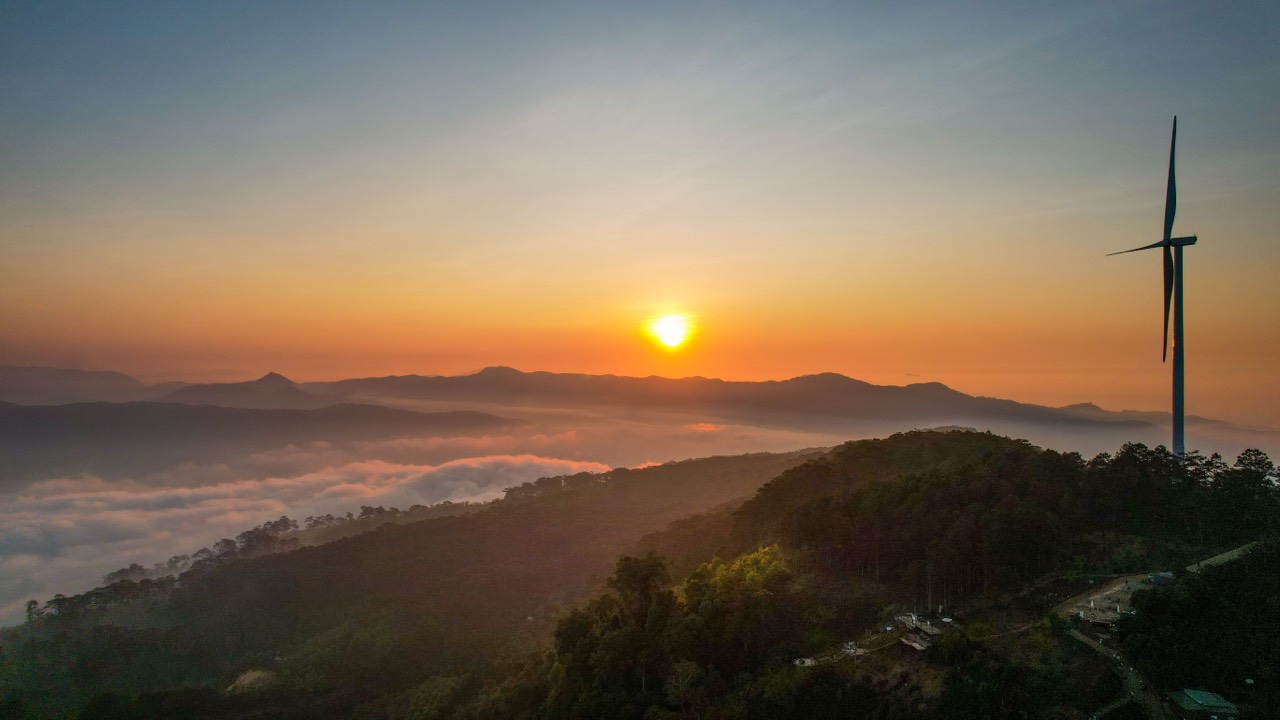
(670, 331)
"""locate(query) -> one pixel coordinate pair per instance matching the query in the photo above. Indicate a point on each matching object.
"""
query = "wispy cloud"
(62, 535)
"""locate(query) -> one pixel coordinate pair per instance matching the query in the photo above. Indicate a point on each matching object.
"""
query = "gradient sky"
(899, 192)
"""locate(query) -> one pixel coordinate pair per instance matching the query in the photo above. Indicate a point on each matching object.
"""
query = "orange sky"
(896, 196)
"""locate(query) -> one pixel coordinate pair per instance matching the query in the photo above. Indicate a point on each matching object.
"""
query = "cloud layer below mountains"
(62, 534)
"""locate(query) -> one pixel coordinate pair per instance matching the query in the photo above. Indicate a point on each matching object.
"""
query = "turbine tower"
(1172, 292)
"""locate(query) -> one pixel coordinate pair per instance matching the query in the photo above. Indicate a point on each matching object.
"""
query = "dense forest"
(492, 614)
(1219, 627)
(335, 620)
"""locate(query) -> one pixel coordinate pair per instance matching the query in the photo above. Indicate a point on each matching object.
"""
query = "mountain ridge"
(43, 385)
(222, 392)
(272, 390)
(825, 402)
(822, 394)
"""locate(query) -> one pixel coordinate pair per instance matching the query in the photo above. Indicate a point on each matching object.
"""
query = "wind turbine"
(1172, 291)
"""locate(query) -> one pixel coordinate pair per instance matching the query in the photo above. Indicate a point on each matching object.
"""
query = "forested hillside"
(1218, 628)
(977, 524)
(475, 616)
(366, 614)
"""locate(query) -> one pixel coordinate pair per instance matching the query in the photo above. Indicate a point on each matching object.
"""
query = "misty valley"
(534, 545)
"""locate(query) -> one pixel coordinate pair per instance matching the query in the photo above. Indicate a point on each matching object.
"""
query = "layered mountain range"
(823, 403)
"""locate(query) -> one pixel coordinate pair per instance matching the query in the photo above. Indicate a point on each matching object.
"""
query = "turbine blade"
(1168, 298)
(1144, 247)
(1171, 193)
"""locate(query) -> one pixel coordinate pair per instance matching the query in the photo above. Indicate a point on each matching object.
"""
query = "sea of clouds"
(62, 534)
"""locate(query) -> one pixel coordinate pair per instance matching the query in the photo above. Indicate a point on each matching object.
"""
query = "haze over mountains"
(98, 470)
(269, 391)
(30, 385)
(826, 403)
(115, 439)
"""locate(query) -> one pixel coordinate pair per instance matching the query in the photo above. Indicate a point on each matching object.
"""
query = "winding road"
(1135, 688)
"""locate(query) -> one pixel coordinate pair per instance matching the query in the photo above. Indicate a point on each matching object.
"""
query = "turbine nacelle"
(1171, 242)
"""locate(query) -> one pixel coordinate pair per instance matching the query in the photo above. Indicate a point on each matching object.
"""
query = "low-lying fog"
(146, 499)
(62, 534)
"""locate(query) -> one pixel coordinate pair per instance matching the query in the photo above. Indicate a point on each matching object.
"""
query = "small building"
(915, 622)
(1202, 705)
(917, 642)
(1101, 618)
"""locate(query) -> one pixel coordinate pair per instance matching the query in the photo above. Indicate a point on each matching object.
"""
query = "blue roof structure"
(1213, 704)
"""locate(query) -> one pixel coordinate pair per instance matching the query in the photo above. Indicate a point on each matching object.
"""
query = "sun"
(671, 331)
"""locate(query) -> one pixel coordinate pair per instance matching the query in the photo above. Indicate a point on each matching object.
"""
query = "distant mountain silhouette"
(55, 386)
(1155, 417)
(115, 438)
(272, 390)
(828, 403)
(820, 398)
